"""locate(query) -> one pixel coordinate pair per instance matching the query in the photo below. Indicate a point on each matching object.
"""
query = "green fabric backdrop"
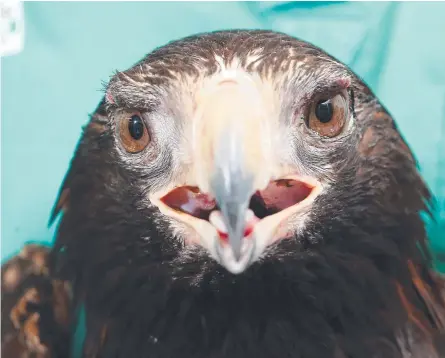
(49, 88)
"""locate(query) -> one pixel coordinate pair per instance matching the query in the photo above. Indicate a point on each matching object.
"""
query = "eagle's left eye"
(328, 116)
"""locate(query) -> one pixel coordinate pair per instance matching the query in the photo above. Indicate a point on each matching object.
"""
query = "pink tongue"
(202, 201)
(189, 200)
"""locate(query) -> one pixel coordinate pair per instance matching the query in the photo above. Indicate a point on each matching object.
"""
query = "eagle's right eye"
(136, 127)
(133, 133)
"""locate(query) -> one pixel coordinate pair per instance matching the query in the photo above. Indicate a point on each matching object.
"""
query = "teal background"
(49, 89)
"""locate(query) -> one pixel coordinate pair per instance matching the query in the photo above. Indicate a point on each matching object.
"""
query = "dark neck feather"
(338, 296)
(334, 292)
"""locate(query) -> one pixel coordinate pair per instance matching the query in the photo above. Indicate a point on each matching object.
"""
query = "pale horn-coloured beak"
(232, 186)
(233, 151)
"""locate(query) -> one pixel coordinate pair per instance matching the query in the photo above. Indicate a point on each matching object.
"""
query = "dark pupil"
(324, 111)
(136, 127)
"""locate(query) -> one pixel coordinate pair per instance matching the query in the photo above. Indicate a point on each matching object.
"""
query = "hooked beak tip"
(234, 261)
(233, 200)
(233, 215)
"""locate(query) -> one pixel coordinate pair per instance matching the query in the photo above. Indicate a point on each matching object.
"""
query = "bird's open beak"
(239, 203)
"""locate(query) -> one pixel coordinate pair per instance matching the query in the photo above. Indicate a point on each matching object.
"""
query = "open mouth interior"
(278, 195)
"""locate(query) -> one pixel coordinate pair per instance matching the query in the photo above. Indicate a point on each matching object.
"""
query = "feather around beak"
(239, 200)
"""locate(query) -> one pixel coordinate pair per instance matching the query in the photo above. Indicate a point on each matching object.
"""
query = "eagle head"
(243, 172)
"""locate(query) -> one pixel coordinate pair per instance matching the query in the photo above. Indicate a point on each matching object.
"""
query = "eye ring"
(133, 133)
(328, 115)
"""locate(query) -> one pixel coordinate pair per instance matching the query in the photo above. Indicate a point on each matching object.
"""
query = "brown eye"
(133, 133)
(328, 116)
